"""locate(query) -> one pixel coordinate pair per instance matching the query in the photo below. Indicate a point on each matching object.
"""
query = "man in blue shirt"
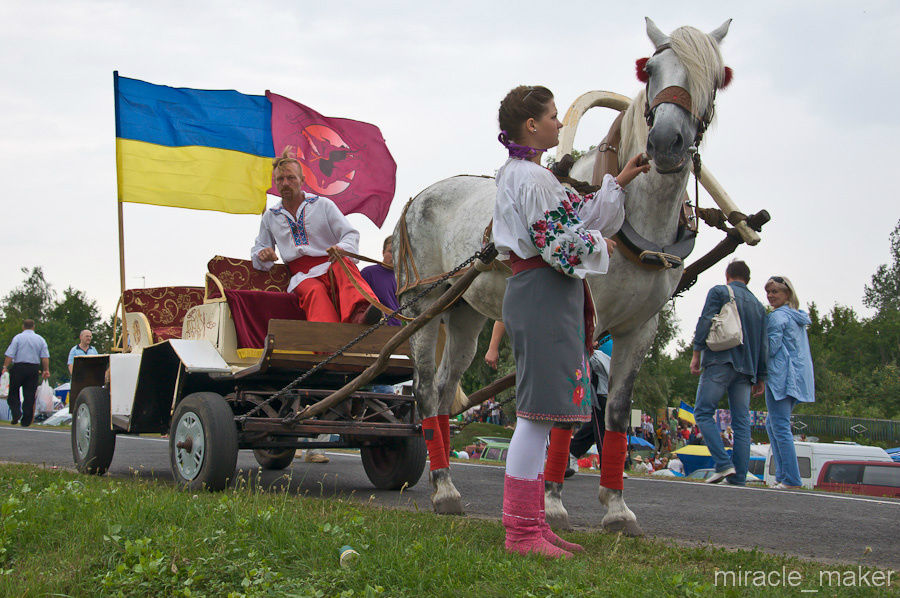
(82, 348)
(737, 371)
(27, 352)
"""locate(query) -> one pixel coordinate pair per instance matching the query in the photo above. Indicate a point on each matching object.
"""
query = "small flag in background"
(342, 159)
(686, 412)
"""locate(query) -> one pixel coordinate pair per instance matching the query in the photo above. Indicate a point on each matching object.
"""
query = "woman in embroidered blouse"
(554, 238)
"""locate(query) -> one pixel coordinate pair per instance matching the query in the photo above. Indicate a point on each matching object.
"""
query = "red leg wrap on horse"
(612, 462)
(436, 453)
(557, 455)
(444, 420)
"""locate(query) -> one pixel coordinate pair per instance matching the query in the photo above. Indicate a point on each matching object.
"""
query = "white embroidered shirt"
(536, 215)
(317, 225)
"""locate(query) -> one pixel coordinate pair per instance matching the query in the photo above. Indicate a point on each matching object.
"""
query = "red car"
(872, 478)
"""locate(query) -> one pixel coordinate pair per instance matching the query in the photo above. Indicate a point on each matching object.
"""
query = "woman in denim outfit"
(790, 376)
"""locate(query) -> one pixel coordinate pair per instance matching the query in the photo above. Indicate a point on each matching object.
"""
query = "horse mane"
(700, 55)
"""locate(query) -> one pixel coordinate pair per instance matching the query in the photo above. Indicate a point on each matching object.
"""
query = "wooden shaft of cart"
(483, 394)
(450, 295)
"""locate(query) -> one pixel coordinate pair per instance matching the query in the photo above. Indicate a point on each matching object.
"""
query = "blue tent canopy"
(638, 441)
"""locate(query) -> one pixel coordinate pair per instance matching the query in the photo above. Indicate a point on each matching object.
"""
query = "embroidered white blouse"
(317, 225)
(536, 215)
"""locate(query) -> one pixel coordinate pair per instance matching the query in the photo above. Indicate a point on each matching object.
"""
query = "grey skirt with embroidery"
(543, 311)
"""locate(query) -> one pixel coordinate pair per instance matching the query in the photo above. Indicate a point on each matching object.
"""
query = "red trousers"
(332, 297)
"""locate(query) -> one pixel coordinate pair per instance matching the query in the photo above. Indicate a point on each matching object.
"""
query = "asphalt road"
(817, 525)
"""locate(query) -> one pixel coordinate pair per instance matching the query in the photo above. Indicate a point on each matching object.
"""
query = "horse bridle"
(679, 96)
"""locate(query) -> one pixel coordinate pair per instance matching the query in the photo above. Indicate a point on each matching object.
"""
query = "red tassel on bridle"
(639, 65)
(729, 74)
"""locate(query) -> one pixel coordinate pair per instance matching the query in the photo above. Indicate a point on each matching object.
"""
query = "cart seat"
(252, 310)
(157, 314)
(254, 297)
(234, 274)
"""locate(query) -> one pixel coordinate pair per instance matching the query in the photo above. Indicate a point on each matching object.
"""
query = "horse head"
(682, 77)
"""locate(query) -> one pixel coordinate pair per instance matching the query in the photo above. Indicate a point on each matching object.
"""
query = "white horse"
(445, 224)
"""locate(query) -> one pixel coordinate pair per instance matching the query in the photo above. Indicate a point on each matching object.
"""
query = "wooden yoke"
(608, 99)
(450, 295)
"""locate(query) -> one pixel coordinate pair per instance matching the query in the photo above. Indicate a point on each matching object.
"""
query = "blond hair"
(285, 159)
(793, 302)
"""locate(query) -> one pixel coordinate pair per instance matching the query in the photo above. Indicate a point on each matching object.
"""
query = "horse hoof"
(554, 511)
(449, 506)
(559, 522)
(626, 527)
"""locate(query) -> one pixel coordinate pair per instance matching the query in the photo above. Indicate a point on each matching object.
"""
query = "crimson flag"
(344, 160)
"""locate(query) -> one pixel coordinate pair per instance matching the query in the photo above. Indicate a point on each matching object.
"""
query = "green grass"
(63, 534)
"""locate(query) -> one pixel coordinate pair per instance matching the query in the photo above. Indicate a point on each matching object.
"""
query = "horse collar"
(651, 255)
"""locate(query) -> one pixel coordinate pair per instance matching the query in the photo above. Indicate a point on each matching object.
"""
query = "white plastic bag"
(43, 401)
(4, 385)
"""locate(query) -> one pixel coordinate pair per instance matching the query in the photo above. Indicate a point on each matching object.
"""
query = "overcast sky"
(807, 129)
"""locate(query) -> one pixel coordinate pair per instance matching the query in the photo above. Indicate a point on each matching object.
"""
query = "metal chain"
(281, 393)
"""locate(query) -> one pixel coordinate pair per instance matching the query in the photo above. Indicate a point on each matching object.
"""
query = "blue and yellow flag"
(192, 148)
(686, 412)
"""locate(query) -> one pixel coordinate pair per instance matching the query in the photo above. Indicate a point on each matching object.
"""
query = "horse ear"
(656, 36)
(720, 32)
(639, 65)
(729, 75)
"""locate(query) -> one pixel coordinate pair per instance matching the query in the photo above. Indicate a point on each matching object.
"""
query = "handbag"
(725, 331)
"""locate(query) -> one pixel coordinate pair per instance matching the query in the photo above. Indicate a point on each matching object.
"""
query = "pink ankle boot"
(548, 533)
(522, 518)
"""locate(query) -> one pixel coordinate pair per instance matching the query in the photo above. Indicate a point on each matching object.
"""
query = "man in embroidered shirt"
(27, 353)
(304, 228)
(82, 348)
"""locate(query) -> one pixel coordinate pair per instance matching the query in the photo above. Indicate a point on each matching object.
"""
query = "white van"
(811, 456)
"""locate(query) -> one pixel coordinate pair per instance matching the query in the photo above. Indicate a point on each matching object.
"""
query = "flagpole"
(121, 221)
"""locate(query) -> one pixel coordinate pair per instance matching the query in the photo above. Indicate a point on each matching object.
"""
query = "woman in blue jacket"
(790, 376)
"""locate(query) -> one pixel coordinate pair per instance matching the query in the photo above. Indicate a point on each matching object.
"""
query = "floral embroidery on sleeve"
(560, 231)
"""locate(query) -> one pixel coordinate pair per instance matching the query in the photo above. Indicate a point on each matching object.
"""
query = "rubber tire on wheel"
(274, 458)
(91, 425)
(395, 462)
(208, 421)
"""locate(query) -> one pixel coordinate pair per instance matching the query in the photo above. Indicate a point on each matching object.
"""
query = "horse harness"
(636, 248)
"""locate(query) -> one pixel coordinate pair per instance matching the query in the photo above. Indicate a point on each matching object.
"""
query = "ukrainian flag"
(192, 148)
(686, 412)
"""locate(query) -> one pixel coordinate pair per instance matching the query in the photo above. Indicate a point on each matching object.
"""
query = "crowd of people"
(488, 412)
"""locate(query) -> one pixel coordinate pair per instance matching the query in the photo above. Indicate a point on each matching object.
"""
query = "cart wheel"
(93, 441)
(274, 458)
(395, 462)
(203, 442)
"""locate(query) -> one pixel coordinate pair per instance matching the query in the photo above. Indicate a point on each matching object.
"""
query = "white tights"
(527, 449)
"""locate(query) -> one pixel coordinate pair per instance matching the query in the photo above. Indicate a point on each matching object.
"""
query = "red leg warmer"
(444, 421)
(557, 455)
(612, 462)
(437, 455)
